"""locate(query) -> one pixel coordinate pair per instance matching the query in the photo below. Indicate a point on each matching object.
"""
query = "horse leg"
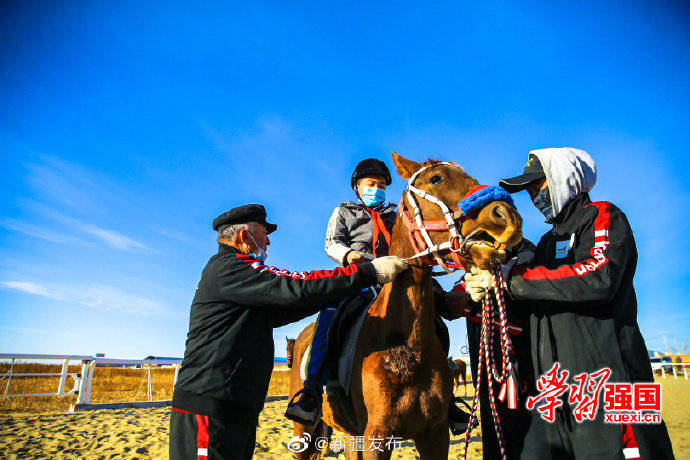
(435, 445)
(376, 451)
(352, 455)
(320, 430)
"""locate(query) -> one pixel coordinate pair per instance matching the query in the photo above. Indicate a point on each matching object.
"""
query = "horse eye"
(436, 179)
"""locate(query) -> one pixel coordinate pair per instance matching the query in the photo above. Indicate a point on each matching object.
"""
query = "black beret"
(244, 214)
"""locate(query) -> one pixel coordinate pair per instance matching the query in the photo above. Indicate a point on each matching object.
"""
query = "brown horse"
(401, 383)
(458, 371)
(290, 351)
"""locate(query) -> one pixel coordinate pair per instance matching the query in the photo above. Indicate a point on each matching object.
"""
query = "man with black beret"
(224, 376)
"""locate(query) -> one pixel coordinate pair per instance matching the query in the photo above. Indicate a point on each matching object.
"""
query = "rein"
(487, 364)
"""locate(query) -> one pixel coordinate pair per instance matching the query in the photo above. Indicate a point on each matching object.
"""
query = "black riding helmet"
(368, 167)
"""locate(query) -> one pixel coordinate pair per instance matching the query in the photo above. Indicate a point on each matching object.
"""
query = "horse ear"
(404, 166)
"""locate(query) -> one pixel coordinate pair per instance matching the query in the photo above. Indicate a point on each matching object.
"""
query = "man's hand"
(478, 282)
(387, 268)
(354, 257)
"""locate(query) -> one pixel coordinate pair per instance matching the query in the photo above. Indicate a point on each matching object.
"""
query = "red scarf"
(379, 226)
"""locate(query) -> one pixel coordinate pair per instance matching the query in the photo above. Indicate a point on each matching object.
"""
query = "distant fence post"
(89, 381)
(177, 371)
(9, 378)
(82, 382)
(63, 376)
(148, 370)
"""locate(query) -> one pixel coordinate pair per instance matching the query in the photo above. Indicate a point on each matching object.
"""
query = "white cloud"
(111, 237)
(110, 298)
(93, 296)
(40, 232)
(31, 288)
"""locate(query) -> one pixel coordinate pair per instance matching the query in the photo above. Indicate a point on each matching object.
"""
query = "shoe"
(458, 420)
(306, 410)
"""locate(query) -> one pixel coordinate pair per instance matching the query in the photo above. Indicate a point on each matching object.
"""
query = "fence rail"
(83, 379)
(674, 366)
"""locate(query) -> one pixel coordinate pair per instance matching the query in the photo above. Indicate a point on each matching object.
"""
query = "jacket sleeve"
(337, 238)
(450, 305)
(592, 279)
(245, 281)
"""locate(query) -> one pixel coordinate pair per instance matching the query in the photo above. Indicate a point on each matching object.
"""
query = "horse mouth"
(484, 238)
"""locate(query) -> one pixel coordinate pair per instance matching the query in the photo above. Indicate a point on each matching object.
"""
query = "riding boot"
(458, 419)
(307, 409)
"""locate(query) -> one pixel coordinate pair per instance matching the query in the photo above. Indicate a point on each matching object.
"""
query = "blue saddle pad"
(344, 331)
(342, 336)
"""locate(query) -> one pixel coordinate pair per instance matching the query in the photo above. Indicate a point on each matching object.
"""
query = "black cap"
(370, 167)
(244, 214)
(533, 171)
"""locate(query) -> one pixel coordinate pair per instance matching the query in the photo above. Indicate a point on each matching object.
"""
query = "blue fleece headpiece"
(484, 196)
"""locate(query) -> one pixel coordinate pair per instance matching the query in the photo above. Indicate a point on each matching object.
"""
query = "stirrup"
(295, 413)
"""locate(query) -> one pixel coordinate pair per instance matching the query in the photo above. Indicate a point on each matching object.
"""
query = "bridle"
(418, 228)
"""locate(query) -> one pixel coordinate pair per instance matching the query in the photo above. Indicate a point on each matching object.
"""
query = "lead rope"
(487, 363)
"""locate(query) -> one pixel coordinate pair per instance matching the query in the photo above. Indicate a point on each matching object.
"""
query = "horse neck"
(409, 302)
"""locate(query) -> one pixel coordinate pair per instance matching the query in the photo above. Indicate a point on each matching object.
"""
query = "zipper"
(542, 333)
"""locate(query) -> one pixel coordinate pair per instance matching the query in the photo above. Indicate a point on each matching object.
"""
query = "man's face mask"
(542, 201)
(372, 196)
(262, 255)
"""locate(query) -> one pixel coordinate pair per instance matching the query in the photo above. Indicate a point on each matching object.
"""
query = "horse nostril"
(499, 215)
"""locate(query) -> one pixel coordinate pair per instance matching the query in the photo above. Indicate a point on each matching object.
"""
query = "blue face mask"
(542, 201)
(372, 196)
(262, 255)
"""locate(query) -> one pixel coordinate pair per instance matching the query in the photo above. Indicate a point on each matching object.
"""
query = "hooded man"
(582, 306)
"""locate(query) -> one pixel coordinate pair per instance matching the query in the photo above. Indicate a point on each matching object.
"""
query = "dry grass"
(110, 384)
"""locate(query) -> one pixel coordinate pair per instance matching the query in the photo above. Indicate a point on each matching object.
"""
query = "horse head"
(452, 219)
(290, 350)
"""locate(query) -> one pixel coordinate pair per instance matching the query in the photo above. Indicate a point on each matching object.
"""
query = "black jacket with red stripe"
(583, 310)
(229, 351)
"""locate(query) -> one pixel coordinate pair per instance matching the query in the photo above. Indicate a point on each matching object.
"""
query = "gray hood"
(569, 172)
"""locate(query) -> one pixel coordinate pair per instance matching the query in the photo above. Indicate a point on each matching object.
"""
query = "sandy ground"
(143, 433)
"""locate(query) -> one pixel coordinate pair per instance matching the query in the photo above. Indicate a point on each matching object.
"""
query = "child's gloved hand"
(387, 268)
(355, 257)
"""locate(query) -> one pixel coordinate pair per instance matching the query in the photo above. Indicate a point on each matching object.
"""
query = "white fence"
(674, 367)
(82, 380)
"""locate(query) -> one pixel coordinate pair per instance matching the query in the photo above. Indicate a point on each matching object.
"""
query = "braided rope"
(487, 365)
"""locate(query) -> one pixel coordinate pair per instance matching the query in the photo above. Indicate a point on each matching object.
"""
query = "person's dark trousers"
(200, 437)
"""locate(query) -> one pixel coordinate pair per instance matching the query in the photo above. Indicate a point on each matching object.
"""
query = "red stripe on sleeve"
(340, 271)
(316, 274)
(598, 260)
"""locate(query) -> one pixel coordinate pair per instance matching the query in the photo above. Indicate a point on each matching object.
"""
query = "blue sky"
(126, 127)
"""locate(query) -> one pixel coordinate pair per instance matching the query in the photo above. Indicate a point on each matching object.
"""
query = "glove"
(478, 282)
(477, 293)
(387, 268)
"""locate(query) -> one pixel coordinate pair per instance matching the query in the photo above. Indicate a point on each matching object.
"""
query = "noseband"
(419, 228)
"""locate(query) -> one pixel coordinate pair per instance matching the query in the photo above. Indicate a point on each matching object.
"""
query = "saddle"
(344, 331)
